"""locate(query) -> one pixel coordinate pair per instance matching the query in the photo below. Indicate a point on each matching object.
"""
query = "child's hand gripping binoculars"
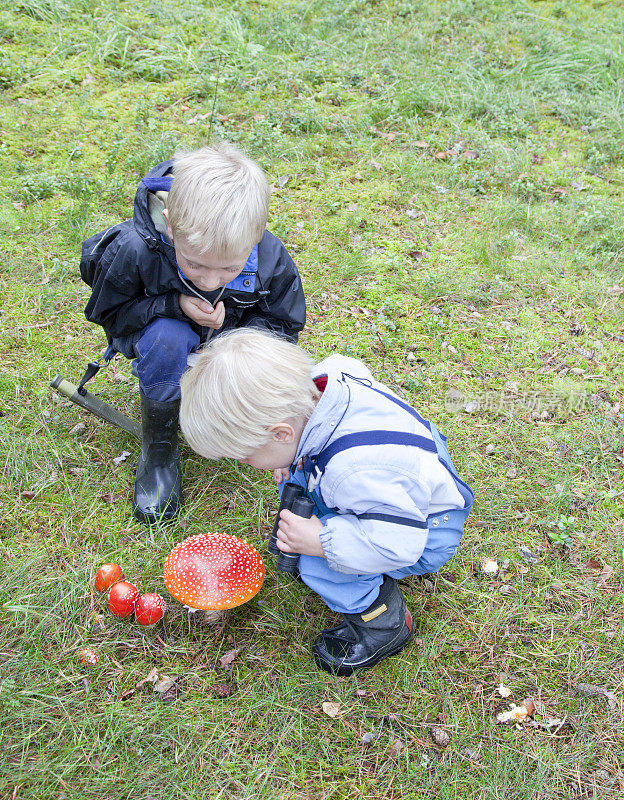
(294, 500)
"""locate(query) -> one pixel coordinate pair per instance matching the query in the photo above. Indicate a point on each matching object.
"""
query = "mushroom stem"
(210, 617)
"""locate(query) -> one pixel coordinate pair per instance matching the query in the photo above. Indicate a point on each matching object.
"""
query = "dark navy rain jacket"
(134, 276)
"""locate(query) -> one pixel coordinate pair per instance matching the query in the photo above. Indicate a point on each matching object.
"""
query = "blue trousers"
(160, 351)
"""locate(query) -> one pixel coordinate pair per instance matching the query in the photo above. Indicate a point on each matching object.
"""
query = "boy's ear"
(282, 432)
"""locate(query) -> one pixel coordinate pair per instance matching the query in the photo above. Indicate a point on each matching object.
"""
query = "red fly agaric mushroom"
(87, 657)
(149, 609)
(122, 599)
(107, 575)
(213, 571)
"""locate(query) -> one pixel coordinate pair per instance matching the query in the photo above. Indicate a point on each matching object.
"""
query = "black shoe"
(158, 482)
(365, 639)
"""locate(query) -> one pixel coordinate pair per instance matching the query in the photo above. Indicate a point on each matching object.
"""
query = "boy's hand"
(281, 475)
(201, 312)
(284, 474)
(299, 535)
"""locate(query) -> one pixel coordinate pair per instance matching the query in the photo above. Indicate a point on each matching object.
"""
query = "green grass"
(483, 266)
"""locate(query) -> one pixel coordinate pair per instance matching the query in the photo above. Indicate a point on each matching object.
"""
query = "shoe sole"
(345, 670)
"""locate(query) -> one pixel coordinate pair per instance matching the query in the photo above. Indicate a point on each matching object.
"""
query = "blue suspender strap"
(318, 464)
(410, 523)
(394, 399)
(365, 438)
(448, 464)
(405, 407)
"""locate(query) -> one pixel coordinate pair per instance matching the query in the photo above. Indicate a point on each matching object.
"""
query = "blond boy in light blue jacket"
(388, 500)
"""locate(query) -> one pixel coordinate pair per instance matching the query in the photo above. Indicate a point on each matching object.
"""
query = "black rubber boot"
(365, 639)
(158, 482)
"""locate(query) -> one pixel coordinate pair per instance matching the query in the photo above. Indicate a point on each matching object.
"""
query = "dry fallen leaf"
(164, 683)
(172, 693)
(605, 575)
(151, 677)
(590, 690)
(222, 689)
(547, 723)
(331, 709)
(227, 659)
(527, 555)
(197, 118)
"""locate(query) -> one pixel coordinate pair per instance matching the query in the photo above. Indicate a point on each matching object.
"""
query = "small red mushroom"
(213, 571)
(107, 575)
(122, 599)
(150, 609)
(87, 657)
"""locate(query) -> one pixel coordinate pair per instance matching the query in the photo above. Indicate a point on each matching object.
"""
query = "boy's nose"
(211, 284)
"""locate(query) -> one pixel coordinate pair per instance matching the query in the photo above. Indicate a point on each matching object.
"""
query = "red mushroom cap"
(149, 609)
(107, 575)
(122, 599)
(213, 571)
(87, 656)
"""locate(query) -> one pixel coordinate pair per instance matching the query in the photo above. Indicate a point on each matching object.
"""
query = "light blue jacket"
(374, 497)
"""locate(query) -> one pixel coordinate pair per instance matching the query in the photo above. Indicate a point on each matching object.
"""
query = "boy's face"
(205, 270)
(280, 452)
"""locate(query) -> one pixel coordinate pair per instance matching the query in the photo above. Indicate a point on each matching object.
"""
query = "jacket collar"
(329, 410)
(143, 222)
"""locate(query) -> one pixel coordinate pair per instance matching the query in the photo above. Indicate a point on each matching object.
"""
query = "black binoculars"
(294, 500)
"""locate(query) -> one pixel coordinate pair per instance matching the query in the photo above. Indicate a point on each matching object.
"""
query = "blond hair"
(219, 200)
(243, 383)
